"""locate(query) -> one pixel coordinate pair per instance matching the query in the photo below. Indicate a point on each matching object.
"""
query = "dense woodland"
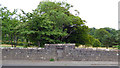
(52, 22)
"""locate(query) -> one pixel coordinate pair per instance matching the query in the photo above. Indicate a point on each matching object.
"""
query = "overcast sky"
(97, 13)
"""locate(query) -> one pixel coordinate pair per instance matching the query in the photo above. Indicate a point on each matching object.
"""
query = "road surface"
(57, 63)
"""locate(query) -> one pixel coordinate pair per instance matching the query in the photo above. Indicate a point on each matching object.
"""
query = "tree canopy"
(52, 22)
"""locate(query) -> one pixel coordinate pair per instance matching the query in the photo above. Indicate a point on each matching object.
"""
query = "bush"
(52, 60)
(77, 45)
(20, 43)
(117, 46)
(25, 46)
(96, 43)
(102, 45)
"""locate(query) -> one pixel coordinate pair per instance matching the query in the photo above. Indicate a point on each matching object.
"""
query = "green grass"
(6, 45)
(21, 46)
(11, 46)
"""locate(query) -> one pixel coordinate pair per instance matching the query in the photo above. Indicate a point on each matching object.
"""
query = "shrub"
(25, 46)
(117, 46)
(52, 59)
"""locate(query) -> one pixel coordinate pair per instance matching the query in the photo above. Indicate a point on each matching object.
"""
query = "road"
(57, 63)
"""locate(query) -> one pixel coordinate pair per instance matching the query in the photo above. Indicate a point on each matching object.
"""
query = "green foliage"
(78, 35)
(77, 44)
(107, 36)
(119, 47)
(52, 59)
(9, 23)
(101, 34)
(52, 22)
(92, 31)
(96, 43)
(116, 46)
(25, 46)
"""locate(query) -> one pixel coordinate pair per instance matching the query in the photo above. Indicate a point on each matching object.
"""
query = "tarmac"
(57, 63)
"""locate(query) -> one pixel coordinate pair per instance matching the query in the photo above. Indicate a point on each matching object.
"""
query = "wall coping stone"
(60, 44)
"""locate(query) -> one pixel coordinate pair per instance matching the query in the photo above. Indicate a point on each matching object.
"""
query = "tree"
(78, 35)
(104, 37)
(113, 36)
(92, 31)
(8, 24)
(118, 38)
(81, 36)
(100, 34)
(96, 43)
(50, 22)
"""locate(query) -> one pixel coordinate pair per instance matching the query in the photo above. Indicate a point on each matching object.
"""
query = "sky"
(97, 13)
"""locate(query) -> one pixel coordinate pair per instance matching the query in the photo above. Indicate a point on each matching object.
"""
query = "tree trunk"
(17, 41)
(67, 35)
(39, 43)
(107, 46)
(11, 41)
(27, 42)
(14, 41)
(5, 38)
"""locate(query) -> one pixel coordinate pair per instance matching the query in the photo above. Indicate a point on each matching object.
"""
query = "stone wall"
(59, 52)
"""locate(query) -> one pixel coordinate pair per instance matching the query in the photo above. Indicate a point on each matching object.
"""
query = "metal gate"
(59, 53)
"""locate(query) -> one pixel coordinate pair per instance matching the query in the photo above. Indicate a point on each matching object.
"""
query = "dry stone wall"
(59, 52)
